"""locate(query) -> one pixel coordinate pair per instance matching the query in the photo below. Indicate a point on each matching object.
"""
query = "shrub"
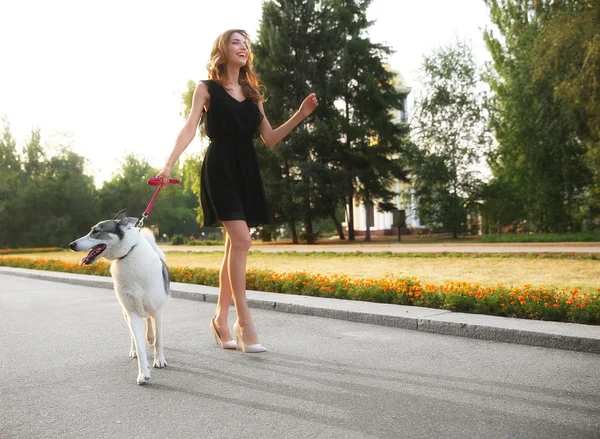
(178, 239)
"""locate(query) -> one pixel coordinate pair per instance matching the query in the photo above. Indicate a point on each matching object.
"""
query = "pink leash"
(153, 182)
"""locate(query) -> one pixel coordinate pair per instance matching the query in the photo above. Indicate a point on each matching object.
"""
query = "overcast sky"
(111, 73)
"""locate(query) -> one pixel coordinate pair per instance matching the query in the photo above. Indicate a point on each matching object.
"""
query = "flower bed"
(524, 302)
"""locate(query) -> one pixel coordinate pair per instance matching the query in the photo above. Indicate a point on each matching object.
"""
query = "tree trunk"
(367, 224)
(310, 237)
(294, 233)
(351, 236)
(338, 227)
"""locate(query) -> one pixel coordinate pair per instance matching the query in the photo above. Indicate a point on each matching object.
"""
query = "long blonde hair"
(218, 59)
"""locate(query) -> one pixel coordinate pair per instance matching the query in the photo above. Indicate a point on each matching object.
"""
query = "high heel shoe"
(246, 348)
(231, 344)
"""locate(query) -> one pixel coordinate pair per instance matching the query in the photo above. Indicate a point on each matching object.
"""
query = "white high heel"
(246, 348)
(231, 344)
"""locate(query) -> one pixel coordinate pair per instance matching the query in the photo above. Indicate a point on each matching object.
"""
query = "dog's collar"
(123, 257)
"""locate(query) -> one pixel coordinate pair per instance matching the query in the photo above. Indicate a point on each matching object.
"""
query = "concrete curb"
(569, 336)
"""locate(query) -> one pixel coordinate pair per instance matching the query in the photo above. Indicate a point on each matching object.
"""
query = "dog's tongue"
(87, 259)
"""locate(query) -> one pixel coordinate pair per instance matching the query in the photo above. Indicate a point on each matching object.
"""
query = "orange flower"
(556, 305)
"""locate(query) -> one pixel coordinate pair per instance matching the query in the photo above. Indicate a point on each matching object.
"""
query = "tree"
(374, 146)
(292, 51)
(540, 155)
(449, 128)
(190, 172)
(351, 149)
(46, 197)
(10, 184)
(567, 53)
(173, 211)
(64, 197)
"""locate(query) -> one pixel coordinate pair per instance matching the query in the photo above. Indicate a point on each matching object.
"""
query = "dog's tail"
(149, 236)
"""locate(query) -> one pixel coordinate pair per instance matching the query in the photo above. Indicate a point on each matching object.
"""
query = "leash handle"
(153, 182)
(157, 181)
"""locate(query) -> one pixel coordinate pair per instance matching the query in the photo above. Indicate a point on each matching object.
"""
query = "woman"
(232, 189)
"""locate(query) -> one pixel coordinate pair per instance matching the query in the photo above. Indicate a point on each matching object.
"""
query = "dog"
(141, 280)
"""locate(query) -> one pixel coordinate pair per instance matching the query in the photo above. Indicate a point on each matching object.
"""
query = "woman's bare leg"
(224, 295)
(239, 236)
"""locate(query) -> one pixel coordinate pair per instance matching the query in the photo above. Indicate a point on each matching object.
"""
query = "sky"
(110, 74)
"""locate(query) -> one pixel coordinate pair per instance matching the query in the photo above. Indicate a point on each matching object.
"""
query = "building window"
(402, 116)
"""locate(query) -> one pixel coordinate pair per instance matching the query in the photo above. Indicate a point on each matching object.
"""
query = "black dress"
(232, 187)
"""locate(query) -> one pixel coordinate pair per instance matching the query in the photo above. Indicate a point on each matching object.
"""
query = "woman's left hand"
(309, 105)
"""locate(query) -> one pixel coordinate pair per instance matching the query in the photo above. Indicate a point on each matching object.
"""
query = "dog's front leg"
(159, 355)
(137, 329)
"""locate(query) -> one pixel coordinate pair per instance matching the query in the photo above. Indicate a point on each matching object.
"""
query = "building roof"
(399, 81)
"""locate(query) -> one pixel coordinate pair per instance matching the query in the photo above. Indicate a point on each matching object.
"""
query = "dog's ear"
(122, 214)
(128, 222)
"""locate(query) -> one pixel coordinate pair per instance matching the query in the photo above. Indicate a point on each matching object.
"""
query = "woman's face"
(237, 50)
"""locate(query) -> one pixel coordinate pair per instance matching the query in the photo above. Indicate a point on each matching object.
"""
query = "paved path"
(575, 247)
(65, 374)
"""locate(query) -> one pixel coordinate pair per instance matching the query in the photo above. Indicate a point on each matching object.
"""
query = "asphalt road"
(65, 373)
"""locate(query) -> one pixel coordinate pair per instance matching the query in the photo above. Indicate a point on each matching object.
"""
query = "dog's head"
(104, 235)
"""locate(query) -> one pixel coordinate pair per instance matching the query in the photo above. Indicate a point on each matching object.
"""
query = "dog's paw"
(160, 362)
(132, 353)
(143, 378)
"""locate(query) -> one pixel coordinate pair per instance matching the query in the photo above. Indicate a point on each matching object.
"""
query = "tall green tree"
(449, 127)
(374, 145)
(540, 155)
(292, 53)
(351, 151)
(567, 54)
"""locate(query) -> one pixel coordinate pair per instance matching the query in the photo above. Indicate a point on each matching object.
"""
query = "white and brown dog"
(141, 280)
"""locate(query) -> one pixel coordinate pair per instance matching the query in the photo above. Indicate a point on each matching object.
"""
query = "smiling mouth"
(92, 255)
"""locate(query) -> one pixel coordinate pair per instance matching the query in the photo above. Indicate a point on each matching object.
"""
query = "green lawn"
(567, 273)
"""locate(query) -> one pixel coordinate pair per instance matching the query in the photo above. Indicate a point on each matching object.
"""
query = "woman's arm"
(188, 132)
(273, 136)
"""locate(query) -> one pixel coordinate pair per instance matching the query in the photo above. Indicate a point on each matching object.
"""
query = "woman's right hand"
(309, 105)
(164, 174)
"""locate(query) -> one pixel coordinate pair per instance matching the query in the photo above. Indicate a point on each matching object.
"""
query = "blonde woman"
(232, 188)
